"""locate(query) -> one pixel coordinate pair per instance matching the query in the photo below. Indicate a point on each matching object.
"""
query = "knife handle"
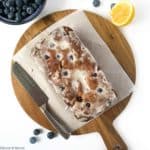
(55, 123)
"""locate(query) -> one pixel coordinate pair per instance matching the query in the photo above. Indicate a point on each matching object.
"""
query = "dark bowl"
(29, 18)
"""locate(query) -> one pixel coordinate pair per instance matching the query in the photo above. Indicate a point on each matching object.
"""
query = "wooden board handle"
(110, 136)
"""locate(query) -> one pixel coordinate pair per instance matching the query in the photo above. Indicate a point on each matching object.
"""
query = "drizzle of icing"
(73, 71)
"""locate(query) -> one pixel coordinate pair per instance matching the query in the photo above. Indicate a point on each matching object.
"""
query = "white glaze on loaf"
(74, 73)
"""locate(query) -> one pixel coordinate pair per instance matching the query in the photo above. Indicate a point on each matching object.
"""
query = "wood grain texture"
(119, 47)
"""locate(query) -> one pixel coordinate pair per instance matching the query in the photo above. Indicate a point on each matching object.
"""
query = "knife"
(41, 99)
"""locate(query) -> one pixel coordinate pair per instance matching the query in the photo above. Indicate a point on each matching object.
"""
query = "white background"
(133, 124)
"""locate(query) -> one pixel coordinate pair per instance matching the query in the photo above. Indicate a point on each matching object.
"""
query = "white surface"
(133, 124)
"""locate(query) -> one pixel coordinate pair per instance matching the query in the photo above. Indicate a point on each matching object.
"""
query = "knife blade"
(40, 98)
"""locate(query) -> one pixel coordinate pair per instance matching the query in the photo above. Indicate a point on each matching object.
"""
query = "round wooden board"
(120, 48)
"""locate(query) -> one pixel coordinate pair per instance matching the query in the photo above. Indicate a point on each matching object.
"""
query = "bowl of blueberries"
(16, 12)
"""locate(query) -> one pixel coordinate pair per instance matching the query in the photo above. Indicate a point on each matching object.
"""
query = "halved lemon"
(122, 13)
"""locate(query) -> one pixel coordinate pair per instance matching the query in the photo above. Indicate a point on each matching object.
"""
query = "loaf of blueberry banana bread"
(73, 72)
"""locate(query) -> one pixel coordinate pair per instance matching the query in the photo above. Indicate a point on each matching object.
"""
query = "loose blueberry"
(6, 11)
(37, 131)
(30, 10)
(33, 140)
(51, 135)
(9, 3)
(19, 3)
(24, 7)
(38, 2)
(18, 9)
(23, 14)
(4, 3)
(17, 14)
(11, 15)
(18, 17)
(12, 9)
(112, 5)
(96, 3)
